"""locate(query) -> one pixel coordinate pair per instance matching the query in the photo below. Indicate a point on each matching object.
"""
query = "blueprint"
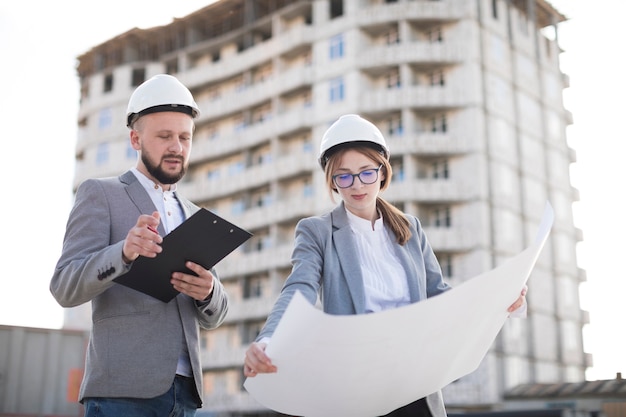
(371, 364)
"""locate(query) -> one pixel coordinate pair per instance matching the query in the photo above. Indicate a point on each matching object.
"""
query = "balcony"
(253, 135)
(295, 207)
(413, 52)
(86, 168)
(416, 97)
(431, 191)
(254, 262)
(451, 239)
(430, 144)
(294, 38)
(222, 357)
(241, 401)
(255, 176)
(249, 96)
(416, 10)
(254, 308)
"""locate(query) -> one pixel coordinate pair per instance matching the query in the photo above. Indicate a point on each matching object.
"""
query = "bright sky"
(39, 41)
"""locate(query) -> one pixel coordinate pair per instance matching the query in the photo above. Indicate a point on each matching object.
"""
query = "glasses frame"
(334, 177)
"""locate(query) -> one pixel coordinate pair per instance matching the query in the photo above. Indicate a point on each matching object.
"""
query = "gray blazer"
(325, 261)
(135, 339)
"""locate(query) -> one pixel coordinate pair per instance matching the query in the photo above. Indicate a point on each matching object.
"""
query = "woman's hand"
(521, 300)
(257, 361)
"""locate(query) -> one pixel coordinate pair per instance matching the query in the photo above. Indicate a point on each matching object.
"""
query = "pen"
(152, 229)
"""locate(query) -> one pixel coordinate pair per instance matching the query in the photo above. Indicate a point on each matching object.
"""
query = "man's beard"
(161, 176)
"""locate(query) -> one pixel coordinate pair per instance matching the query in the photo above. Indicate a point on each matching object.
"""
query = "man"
(143, 356)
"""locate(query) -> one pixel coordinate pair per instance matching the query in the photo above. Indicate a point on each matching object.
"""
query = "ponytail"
(395, 219)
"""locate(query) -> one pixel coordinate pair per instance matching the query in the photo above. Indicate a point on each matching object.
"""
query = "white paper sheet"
(369, 365)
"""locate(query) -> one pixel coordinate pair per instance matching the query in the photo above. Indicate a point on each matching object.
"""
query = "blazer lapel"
(348, 257)
(417, 291)
(188, 210)
(139, 196)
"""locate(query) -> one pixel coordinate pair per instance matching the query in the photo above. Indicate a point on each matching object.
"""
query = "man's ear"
(134, 140)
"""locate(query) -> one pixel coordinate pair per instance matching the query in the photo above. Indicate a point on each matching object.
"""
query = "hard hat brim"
(353, 144)
(162, 108)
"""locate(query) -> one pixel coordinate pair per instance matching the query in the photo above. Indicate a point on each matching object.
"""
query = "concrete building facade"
(469, 96)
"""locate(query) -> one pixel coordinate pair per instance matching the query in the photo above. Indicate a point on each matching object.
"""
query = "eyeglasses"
(369, 176)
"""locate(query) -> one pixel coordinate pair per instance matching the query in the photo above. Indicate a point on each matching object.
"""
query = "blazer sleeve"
(87, 255)
(212, 313)
(307, 267)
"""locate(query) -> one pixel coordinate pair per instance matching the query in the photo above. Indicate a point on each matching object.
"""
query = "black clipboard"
(204, 238)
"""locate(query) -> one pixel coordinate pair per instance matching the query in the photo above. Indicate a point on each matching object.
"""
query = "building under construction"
(469, 96)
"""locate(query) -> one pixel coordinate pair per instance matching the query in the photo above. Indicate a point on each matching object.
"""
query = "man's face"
(164, 142)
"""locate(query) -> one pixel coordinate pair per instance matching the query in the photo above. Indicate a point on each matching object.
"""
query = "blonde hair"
(392, 216)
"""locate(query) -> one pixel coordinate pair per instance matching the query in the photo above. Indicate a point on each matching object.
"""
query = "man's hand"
(143, 239)
(197, 287)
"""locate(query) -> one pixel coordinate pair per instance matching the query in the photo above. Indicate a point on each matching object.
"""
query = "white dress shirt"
(384, 278)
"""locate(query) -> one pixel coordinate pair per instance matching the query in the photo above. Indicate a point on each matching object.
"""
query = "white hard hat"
(162, 92)
(351, 128)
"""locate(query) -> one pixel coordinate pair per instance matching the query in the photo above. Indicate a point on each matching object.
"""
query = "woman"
(365, 255)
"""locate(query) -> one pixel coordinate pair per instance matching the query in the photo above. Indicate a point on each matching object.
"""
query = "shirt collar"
(148, 184)
(364, 226)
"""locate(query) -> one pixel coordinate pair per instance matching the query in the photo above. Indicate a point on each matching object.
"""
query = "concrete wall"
(40, 371)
